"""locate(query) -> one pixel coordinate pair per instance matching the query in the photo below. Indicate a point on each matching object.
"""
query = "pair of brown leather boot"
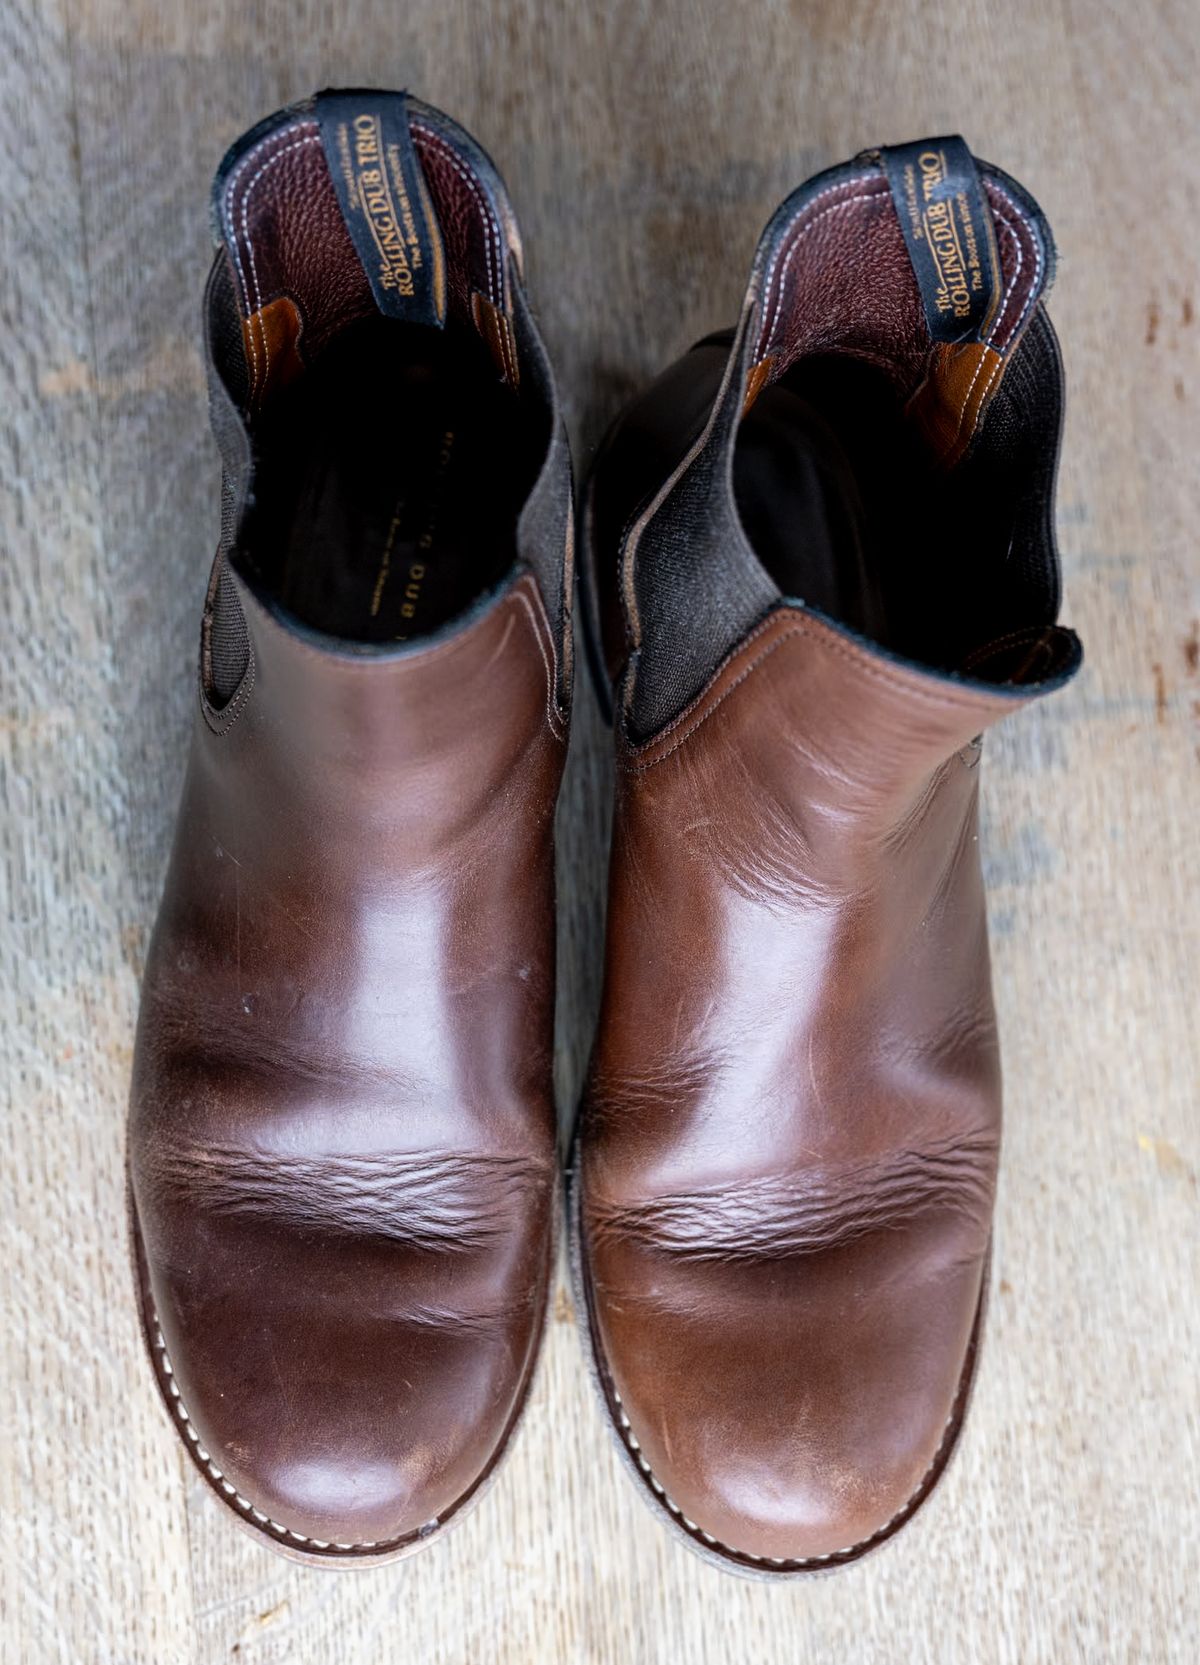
(818, 560)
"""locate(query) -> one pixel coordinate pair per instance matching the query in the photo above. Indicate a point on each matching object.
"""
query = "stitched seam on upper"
(810, 225)
(1014, 227)
(858, 660)
(549, 659)
(1017, 224)
(1013, 234)
(1011, 226)
(966, 404)
(220, 719)
(695, 704)
(1029, 299)
(640, 768)
(981, 655)
(492, 237)
(339, 663)
(805, 222)
(300, 144)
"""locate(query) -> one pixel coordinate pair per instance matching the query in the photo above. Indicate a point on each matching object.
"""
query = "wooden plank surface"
(645, 145)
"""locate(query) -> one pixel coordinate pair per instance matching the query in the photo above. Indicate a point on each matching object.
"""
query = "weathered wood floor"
(644, 144)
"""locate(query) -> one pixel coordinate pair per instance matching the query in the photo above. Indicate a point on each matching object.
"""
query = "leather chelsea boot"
(342, 1133)
(821, 562)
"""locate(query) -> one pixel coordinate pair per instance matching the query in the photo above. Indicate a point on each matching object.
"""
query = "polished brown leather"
(793, 1115)
(342, 1130)
(786, 1161)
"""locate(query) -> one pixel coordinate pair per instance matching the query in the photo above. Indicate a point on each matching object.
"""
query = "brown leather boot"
(822, 557)
(342, 1134)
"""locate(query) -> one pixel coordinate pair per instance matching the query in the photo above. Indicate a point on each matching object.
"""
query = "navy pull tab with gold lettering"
(949, 234)
(384, 201)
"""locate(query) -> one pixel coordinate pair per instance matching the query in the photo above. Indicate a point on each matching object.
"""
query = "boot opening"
(389, 480)
(371, 346)
(851, 510)
(901, 484)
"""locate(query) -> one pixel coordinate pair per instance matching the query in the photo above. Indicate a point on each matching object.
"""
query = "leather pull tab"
(948, 231)
(384, 201)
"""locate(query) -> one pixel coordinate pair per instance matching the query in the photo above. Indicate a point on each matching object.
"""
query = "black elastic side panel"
(225, 357)
(222, 323)
(228, 640)
(1014, 462)
(699, 585)
(545, 521)
(225, 649)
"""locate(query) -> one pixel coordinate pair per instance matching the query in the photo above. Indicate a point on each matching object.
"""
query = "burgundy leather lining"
(840, 279)
(287, 237)
(475, 247)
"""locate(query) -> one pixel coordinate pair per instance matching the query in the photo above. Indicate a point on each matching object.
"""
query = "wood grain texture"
(644, 145)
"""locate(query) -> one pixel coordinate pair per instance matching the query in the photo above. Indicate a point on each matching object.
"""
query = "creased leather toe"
(366, 1399)
(793, 1408)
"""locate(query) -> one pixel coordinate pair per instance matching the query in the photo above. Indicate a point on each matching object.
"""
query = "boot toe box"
(347, 1389)
(789, 1412)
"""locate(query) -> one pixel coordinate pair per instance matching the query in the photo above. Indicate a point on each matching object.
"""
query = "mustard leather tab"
(271, 339)
(948, 405)
(497, 332)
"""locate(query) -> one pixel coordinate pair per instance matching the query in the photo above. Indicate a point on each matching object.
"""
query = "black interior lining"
(850, 513)
(388, 482)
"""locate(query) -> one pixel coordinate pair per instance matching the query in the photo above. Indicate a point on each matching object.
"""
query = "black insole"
(388, 483)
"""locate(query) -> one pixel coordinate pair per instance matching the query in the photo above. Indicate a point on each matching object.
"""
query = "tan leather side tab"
(758, 378)
(949, 403)
(271, 338)
(494, 327)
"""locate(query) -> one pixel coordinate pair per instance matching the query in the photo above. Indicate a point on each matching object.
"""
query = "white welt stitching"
(231, 1492)
(631, 1441)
